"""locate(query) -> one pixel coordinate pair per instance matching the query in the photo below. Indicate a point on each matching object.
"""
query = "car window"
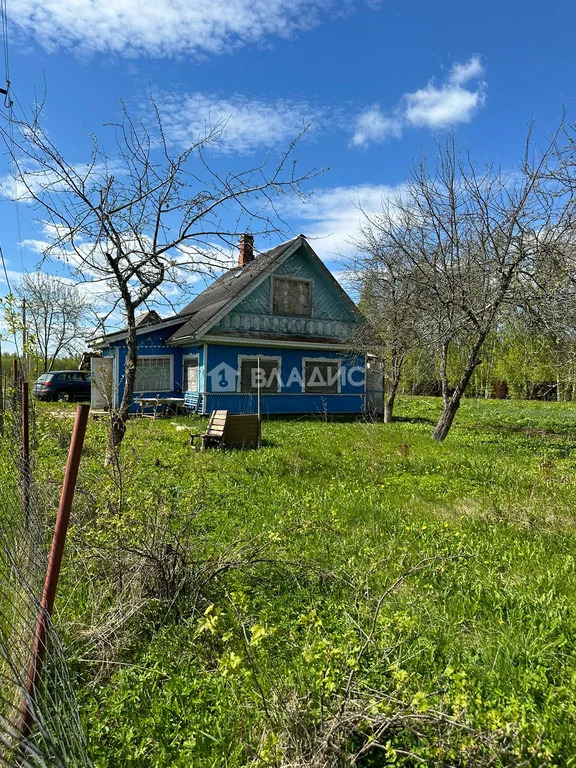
(45, 377)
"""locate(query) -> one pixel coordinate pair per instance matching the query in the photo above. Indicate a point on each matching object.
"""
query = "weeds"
(350, 594)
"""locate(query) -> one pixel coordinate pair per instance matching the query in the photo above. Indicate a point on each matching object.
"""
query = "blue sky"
(378, 80)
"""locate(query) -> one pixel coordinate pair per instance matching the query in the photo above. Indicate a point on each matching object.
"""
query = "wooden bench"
(214, 435)
(242, 431)
(226, 430)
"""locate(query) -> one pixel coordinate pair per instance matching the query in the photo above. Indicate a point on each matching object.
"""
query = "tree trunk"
(391, 395)
(116, 433)
(389, 407)
(452, 404)
(118, 418)
(445, 421)
(444, 372)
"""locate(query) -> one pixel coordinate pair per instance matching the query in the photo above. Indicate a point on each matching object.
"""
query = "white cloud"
(469, 70)
(330, 218)
(13, 277)
(242, 122)
(163, 28)
(31, 180)
(434, 106)
(373, 126)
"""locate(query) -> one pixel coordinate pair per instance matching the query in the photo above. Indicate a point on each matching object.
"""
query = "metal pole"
(25, 414)
(259, 405)
(24, 341)
(53, 569)
(1, 391)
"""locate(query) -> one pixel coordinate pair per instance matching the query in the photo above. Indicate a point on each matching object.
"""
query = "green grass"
(228, 639)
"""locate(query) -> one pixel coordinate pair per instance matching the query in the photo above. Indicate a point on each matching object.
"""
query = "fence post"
(25, 448)
(1, 392)
(53, 569)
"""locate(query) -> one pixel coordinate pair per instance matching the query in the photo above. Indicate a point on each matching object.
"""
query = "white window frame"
(157, 391)
(297, 279)
(255, 358)
(187, 357)
(337, 360)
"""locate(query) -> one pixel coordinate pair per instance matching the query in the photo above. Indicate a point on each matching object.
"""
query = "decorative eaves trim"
(244, 342)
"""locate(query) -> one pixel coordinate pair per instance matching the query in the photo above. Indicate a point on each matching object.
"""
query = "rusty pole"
(25, 413)
(53, 569)
(1, 392)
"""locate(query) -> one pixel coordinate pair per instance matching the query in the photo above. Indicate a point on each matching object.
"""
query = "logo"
(223, 378)
(325, 377)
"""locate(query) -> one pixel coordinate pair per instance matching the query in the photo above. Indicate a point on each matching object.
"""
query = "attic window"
(291, 296)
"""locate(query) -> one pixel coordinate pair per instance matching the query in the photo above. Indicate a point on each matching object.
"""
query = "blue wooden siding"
(291, 398)
(152, 344)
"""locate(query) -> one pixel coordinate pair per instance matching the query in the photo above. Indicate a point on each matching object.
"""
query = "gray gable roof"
(229, 288)
(224, 293)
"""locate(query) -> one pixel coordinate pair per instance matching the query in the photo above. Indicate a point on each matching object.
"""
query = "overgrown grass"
(224, 608)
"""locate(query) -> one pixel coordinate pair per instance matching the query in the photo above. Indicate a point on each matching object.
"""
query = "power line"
(9, 104)
(6, 91)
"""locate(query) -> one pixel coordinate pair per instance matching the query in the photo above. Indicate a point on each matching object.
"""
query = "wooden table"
(166, 405)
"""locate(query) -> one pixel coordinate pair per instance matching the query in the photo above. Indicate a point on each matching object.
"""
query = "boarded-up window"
(321, 376)
(190, 374)
(268, 374)
(292, 297)
(153, 374)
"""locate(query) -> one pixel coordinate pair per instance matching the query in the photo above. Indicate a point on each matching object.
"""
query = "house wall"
(291, 398)
(152, 344)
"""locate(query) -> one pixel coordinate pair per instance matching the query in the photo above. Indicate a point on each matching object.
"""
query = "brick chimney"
(246, 251)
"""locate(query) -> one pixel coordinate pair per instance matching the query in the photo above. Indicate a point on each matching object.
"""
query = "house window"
(153, 374)
(190, 379)
(291, 296)
(267, 372)
(321, 376)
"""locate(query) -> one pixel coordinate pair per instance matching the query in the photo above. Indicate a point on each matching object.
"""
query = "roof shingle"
(227, 287)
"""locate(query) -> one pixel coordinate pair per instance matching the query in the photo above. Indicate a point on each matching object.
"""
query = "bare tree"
(56, 313)
(146, 215)
(472, 240)
(389, 301)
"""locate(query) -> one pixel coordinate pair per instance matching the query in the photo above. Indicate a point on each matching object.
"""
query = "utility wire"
(4, 13)
(9, 104)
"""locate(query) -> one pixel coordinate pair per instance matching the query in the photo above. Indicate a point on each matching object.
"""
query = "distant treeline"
(515, 364)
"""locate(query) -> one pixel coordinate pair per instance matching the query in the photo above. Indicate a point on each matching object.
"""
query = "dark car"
(63, 385)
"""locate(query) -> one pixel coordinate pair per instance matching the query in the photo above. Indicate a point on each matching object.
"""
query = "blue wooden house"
(278, 323)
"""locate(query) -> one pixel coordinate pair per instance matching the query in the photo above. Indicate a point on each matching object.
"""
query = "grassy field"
(349, 589)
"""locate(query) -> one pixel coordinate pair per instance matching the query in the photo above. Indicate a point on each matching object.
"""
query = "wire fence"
(39, 723)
